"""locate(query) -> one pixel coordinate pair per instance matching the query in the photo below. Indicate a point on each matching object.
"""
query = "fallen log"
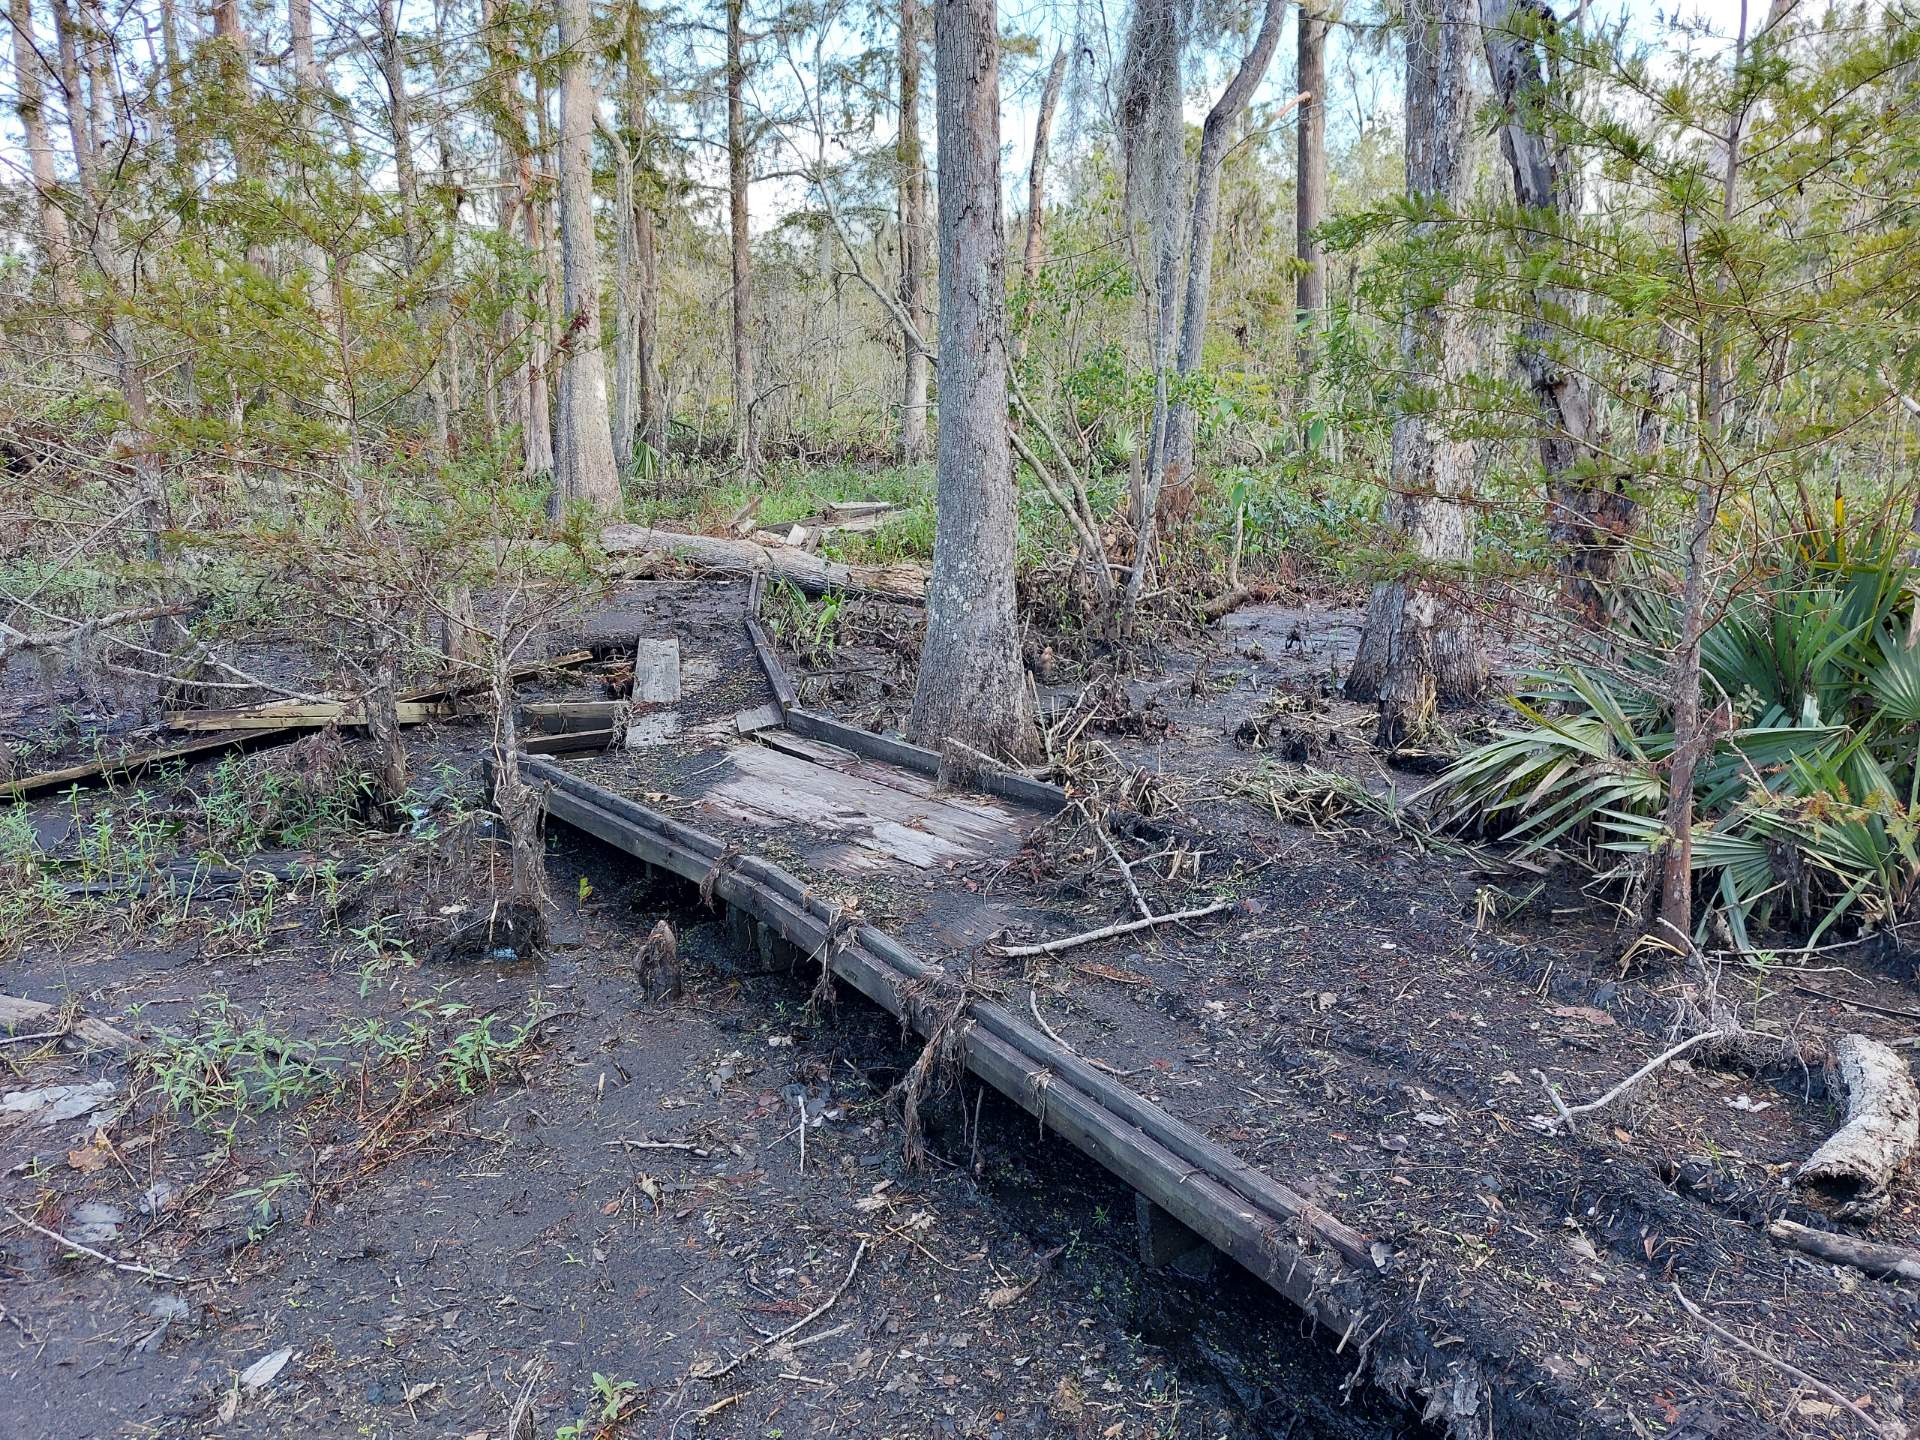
(1859, 1160)
(17, 1013)
(1883, 1262)
(811, 573)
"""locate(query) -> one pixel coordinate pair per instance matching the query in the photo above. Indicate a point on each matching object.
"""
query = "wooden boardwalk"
(843, 845)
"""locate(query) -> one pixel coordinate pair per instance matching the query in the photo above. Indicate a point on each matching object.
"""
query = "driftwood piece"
(1883, 1262)
(18, 1014)
(1859, 1160)
(811, 573)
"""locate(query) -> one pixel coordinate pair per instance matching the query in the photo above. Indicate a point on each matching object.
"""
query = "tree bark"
(636, 356)
(1310, 182)
(1418, 646)
(1214, 137)
(626, 298)
(56, 240)
(1153, 142)
(1588, 517)
(585, 452)
(1036, 246)
(79, 118)
(910, 158)
(745, 438)
(972, 685)
(523, 392)
(407, 181)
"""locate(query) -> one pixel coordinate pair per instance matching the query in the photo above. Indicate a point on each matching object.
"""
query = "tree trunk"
(1418, 646)
(1588, 518)
(1036, 247)
(636, 361)
(585, 459)
(626, 299)
(972, 685)
(652, 402)
(56, 239)
(1153, 140)
(1310, 182)
(406, 179)
(79, 117)
(1214, 137)
(911, 160)
(745, 439)
(518, 330)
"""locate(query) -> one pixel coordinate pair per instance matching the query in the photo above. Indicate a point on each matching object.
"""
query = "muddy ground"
(454, 1181)
(362, 1233)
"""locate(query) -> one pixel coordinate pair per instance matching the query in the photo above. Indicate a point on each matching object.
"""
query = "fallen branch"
(1878, 1260)
(12, 641)
(1882, 1130)
(1568, 1112)
(1054, 947)
(91, 1253)
(1892, 1430)
(793, 1329)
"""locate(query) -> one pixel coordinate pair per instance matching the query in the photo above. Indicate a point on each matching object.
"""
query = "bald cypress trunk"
(972, 685)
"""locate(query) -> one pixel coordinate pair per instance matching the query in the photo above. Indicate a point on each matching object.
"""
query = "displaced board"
(875, 826)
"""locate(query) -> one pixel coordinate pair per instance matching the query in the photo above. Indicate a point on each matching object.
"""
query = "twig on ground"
(38, 1035)
(1893, 1430)
(1054, 947)
(1099, 823)
(1568, 1112)
(1891, 1011)
(686, 1145)
(797, 1326)
(100, 1255)
(1033, 1004)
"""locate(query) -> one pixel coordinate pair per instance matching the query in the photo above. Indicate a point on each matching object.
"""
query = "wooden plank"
(776, 673)
(846, 512)
(126, 766)
(894, 751)
(656, 672)
(776, 790)
(759, 719)
(570, 742)
(302, 715)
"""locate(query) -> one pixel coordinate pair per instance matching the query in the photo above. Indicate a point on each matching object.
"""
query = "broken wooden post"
(1165, 1241)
